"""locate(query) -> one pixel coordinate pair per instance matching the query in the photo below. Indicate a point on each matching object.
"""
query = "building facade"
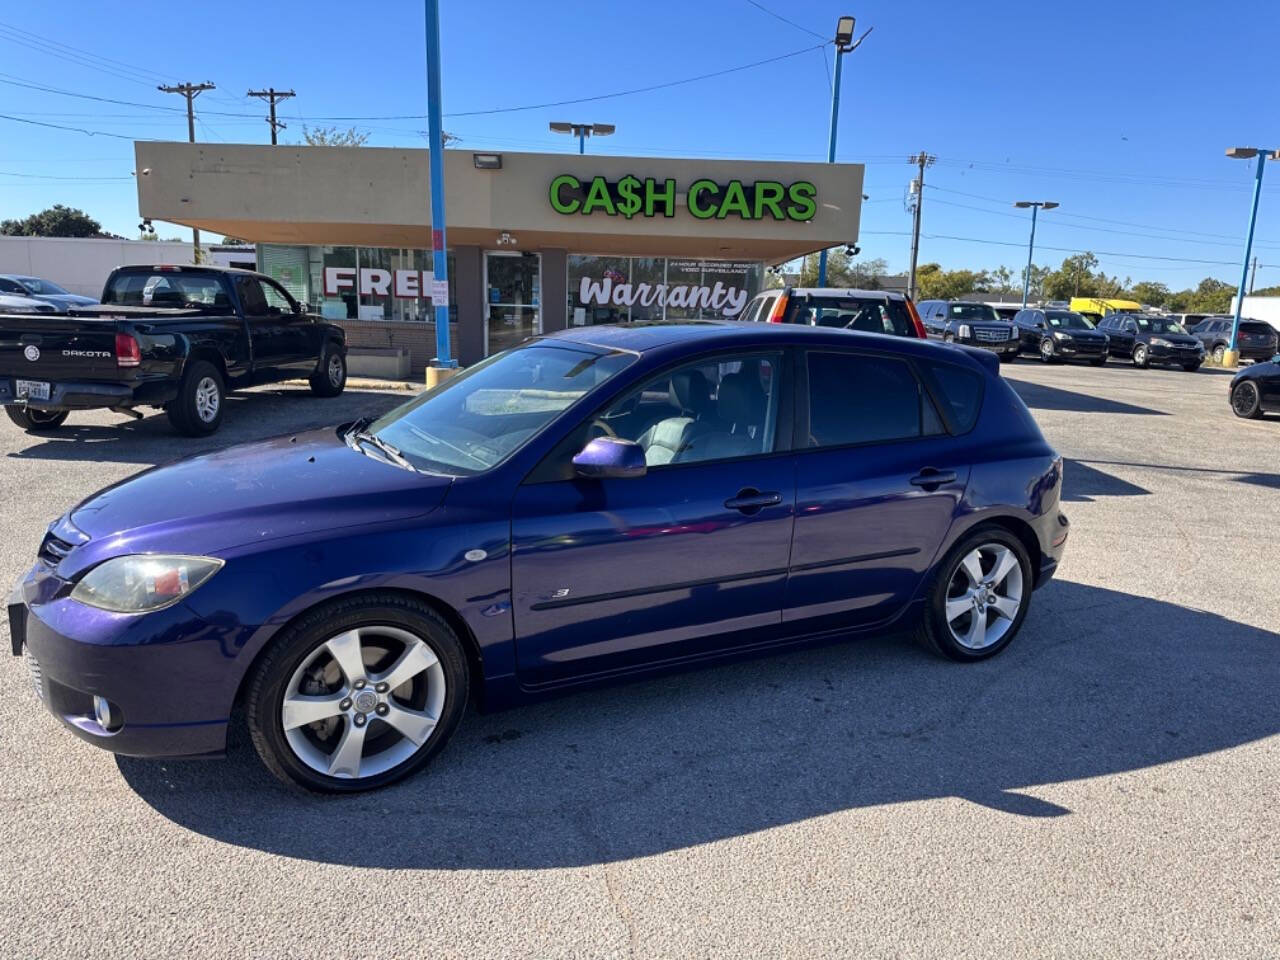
(536, 242)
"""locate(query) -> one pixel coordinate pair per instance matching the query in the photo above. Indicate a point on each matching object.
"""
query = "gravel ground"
(1106, 788)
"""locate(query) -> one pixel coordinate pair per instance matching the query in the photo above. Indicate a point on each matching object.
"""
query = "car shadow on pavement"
(1038, 396)
(1100, 682)
(1082, 483)
(248, 416)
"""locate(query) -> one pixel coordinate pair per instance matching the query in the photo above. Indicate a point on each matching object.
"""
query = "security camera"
(852, 250)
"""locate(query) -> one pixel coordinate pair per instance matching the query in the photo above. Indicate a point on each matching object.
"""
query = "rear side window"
(856, 398)
(753, 311)
(960, 392)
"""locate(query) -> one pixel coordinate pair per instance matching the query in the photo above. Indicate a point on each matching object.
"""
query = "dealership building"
(536, 242)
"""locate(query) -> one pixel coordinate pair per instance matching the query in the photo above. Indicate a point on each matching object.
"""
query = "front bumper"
(1007, 348)
(90, 395)
(1174, 354)
(148, 667)
(1077, 350)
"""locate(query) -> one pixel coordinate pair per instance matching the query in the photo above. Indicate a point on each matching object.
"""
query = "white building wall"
(1260, 308)
(82, 265)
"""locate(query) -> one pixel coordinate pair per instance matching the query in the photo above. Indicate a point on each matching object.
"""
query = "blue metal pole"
(435, 133)
(831, 152)
(1248, 248)
(1031, 248)
(582, 140)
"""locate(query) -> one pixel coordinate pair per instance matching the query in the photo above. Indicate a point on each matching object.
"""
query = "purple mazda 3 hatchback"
(597, 504)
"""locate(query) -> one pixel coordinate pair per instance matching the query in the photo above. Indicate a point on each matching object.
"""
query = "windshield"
(167, 289)
(1068, 321)
(868, 314)
(1159, 325)
(42, 287)
(476, 420)
(971, 311)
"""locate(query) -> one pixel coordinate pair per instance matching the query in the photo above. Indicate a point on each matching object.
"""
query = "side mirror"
(606, 457)
(304, 308)
(1039, 324)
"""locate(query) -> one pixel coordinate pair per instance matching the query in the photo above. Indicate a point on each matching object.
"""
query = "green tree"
(333, 137)
(1075, 278)
(56, 221)
(1266, 292)
(934, 283)
(1150, 293)
(1209, 296)
(844, 271)
(1035, 289)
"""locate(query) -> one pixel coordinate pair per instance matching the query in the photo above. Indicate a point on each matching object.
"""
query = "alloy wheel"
(363, 702)
(208, 399)
(337, 372)
(1140, 355)
(1046, 350)
(984, 596)
(1218, 353)
(1244, 399)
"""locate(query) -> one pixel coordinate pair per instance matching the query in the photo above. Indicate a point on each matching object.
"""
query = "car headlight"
(1060, 336)
(1160, 342)
(144, 582)
(963, 332)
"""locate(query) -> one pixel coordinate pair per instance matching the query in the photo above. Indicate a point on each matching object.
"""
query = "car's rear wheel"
(330, 377)
(1246, 402)
(978, 597)
(1219, 351)
(1140, 355)
(36, 421)
(197, 409)
(357, 694)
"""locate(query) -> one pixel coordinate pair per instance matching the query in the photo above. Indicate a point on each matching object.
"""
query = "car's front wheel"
(978, 597)
(36, 421)
(1046, 351)
(1140, 355)
(357, 694)
(1246, 402)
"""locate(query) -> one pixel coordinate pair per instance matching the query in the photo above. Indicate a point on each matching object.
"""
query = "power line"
(59, 126)
(49, 176)
(777, 16)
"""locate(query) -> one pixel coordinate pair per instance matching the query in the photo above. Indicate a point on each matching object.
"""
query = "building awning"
(375, 196)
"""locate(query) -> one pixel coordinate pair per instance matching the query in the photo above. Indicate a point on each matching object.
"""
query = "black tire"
(1191, 367)
(1219, 351)
(301, 640)
(190, 412)
(1098, 362)
(1008, 357)
(933, 631)
(1046, 351)
(36, 421)
(1140, 355)
(1246, 402)
(330, 377)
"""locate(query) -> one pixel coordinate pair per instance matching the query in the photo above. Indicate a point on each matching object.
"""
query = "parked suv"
(1058, 335)
(868, 311)
(1147, 339)
(971, 323)
(1257, 340)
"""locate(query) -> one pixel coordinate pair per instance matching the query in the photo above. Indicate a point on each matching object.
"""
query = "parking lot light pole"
(1036, 206)
(1231, 357)
(844, 44)
(582, 131)
(443, 365)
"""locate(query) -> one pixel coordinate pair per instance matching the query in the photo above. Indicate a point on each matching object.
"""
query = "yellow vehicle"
(1095, 308)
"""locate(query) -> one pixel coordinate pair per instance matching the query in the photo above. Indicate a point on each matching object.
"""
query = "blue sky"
(1118, 110)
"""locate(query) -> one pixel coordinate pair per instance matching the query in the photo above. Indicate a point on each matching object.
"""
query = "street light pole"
(582, 131)
(844, 44)
(1035, 206)
(1232, 355)
(443, 360)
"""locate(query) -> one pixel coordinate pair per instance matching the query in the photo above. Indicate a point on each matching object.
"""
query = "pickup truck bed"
(125, 355)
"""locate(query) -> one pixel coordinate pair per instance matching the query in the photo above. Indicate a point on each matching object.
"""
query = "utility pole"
(922, 160)
(1253, 276)
(271, 95)
(190, 91)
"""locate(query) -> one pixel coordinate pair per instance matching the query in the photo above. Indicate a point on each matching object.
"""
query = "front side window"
(476, 420)
(278, 301)
(854, 398)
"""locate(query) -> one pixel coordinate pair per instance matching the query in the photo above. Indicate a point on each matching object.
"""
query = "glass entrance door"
(513, 298)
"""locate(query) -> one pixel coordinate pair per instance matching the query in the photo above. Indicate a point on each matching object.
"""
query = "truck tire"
(331, 376)
(36, 421)
(197, 409)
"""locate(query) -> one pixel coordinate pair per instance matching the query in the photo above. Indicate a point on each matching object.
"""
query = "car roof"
(714, 334)
(188, 268)
(841, 292)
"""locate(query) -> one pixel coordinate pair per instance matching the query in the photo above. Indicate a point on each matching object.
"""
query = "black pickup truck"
(175, 337)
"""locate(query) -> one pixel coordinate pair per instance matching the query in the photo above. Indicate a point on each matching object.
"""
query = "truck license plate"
(32, 389)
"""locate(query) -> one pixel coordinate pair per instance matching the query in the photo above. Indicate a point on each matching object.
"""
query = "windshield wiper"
(358, 433)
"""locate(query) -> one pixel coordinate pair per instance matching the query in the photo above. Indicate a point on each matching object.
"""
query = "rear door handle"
(931, 479)
(751, 501)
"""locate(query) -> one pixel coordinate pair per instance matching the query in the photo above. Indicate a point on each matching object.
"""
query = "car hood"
(1086, 336)
(247, 494)
(1182, 339)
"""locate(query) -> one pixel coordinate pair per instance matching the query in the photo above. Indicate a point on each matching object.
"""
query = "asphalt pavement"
(1107, 787)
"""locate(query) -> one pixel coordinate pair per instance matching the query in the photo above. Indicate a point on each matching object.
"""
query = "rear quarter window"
(958, 390)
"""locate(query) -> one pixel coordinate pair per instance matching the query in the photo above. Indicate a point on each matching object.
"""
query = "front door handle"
(750, 501)
(931, 479)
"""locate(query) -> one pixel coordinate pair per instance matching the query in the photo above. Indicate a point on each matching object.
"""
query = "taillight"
(916, 321)
(779, 309)
(127, 352)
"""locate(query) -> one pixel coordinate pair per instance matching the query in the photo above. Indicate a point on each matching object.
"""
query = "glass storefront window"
(619, 289)
(365, 283)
